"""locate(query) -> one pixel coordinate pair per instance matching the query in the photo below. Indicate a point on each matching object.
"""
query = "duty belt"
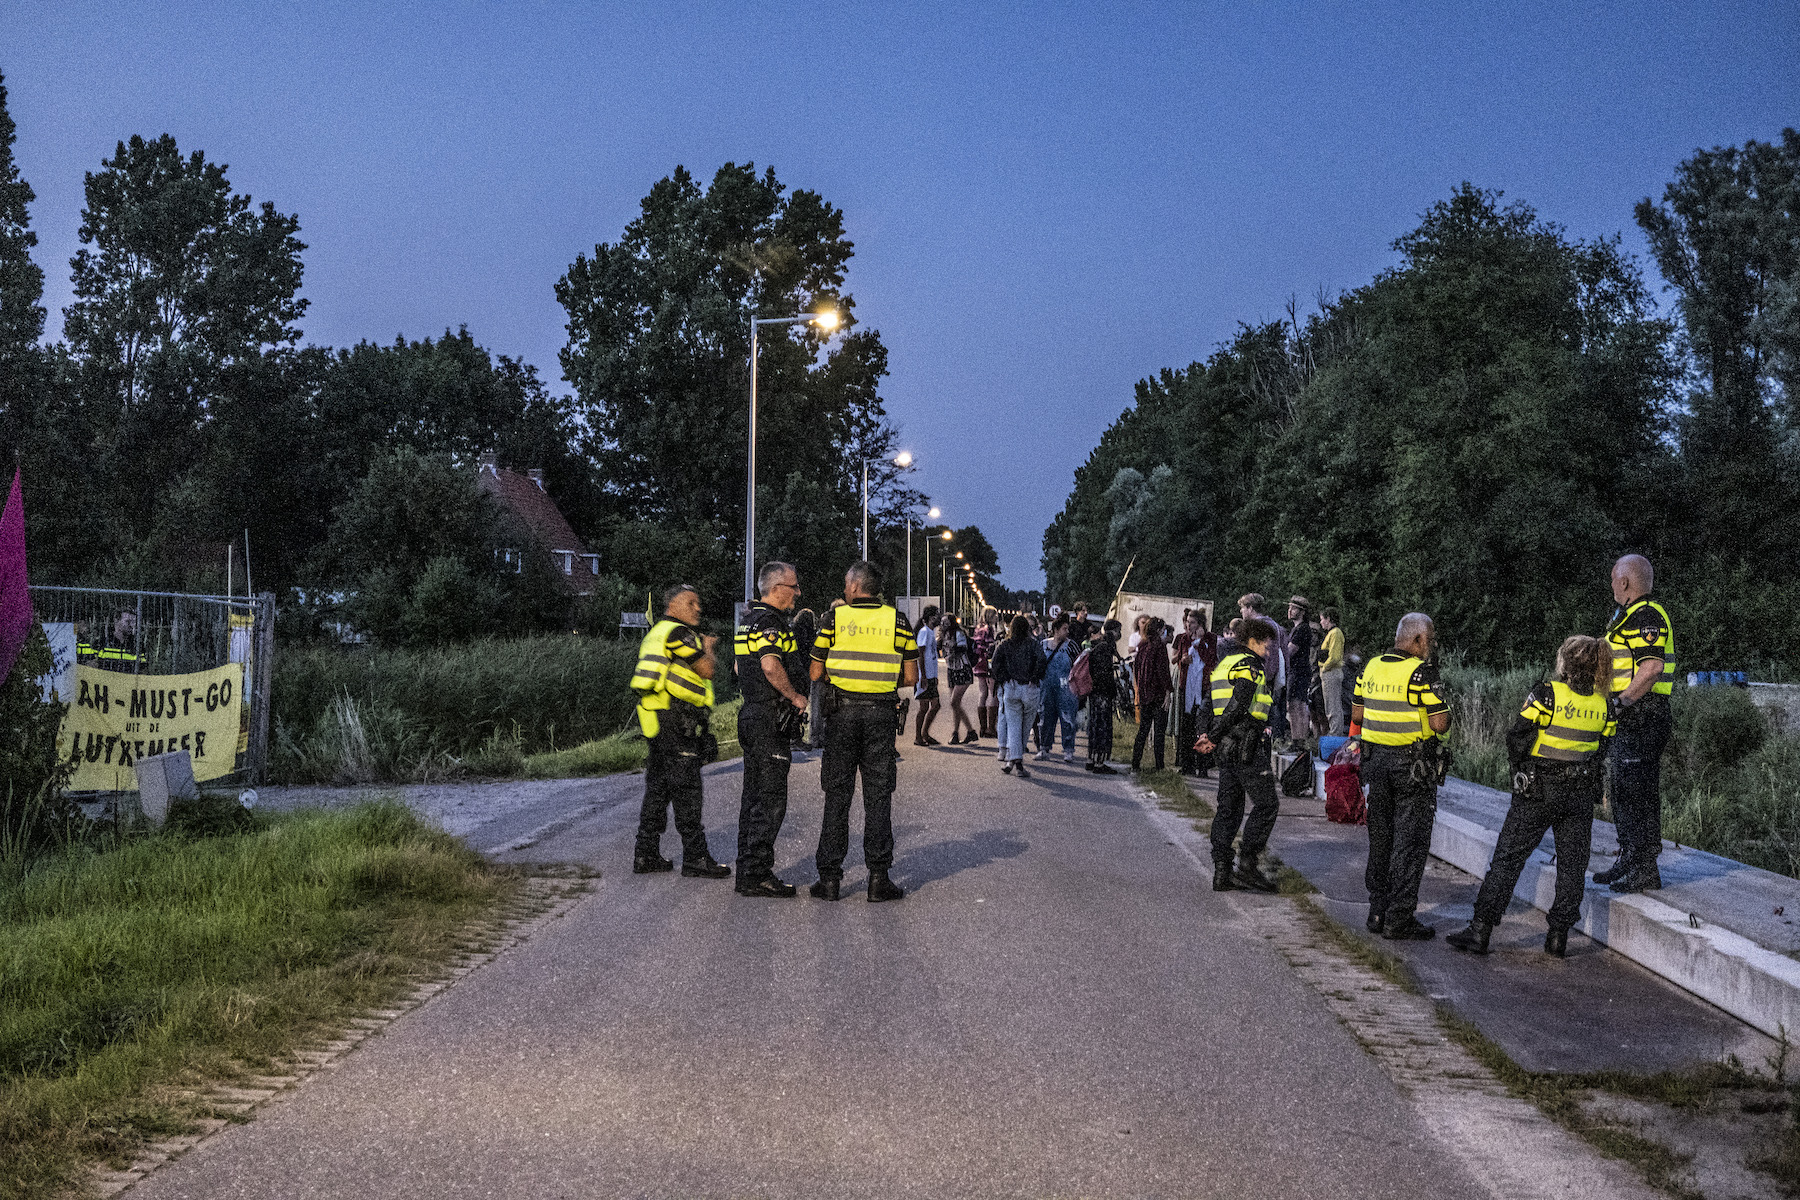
(871, 698)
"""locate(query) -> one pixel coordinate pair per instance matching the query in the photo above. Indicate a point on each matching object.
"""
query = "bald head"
(1632, 578)
(1415, 634)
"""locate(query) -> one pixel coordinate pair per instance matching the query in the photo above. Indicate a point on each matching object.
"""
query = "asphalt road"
(1058, 1009)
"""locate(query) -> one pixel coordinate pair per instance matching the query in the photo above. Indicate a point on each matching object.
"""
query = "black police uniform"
(1242, 738)
(1402, 808)
(672, 777)
(1642, 632)
(859, 738)
(1560, 798)
(765, 725)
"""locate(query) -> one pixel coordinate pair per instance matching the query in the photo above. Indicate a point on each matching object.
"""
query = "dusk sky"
(1048, 202)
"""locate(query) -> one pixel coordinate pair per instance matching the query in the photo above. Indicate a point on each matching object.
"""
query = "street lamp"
(902, 459)
(827, 320)
(932, 515)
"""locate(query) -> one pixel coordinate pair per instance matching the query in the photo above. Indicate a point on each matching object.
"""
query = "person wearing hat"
(1300, 652)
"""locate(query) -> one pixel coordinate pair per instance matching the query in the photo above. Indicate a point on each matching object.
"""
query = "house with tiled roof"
(523, 497)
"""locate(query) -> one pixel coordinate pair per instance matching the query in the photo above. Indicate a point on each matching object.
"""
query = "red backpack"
(1081, 677)
(1344, 801)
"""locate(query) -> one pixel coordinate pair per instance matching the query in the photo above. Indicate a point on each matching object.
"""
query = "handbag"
(1081, 679)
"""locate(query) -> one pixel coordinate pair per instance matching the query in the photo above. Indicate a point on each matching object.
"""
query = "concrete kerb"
(1753, 983)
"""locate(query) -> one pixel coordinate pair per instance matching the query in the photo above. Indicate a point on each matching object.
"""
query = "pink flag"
(15, 598)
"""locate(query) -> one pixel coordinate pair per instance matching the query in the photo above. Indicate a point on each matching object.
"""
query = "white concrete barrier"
(1751, 982)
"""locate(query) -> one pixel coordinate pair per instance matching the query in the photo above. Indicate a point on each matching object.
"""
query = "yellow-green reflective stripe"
(866, 656)
(1390, 706)
(871, 676)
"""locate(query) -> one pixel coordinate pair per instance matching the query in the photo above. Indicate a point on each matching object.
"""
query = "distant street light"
(828, 321)
(932, 515)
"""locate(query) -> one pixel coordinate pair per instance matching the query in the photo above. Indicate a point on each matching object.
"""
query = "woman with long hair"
(1018, 669)
(1150, 672)
(959, 669)
(983, 638)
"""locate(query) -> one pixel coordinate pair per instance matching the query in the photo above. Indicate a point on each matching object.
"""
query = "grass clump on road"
(132, 974)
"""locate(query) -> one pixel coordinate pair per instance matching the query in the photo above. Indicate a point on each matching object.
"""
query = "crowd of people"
(1236, 697)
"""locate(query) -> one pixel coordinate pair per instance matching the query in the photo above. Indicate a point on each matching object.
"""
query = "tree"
(658, 354)
(1724, 239)
(1475, 433)
(21, 291)
(417, 548)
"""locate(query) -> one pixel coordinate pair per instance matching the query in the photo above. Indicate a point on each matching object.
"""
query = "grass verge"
(622, 751)
(133, 974)
(1559, 1097)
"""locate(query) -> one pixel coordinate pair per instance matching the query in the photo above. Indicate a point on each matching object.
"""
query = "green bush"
(33, 812)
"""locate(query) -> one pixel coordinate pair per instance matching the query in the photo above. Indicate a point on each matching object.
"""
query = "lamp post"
(827, 320)
(932, 515)
(946, 536)
(902, 459)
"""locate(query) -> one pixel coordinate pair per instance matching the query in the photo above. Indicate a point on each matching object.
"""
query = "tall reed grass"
(1731, 774)
(392, 714)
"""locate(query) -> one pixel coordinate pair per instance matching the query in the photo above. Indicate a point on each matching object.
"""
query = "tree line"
(182, 408)
(1482, 429)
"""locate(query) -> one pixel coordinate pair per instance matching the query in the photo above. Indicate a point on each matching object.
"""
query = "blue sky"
(1049, 202)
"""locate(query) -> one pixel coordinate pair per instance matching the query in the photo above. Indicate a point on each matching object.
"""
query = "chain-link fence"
(169, 633)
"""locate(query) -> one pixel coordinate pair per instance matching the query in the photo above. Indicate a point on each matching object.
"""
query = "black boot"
(1474, 939)
(1620, 868)
(1251, 877)
(704, 867)
(1556, 942)
(1410, 930)
(1643, 877)
(1374, 920)
(650, 864)
(1222, 881)
(767, 886)
(825, 889)
(882, 889)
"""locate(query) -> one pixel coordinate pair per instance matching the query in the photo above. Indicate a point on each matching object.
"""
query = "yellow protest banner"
(115, 718)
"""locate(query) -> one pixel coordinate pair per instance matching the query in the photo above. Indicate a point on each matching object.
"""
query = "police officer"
(1398, 711)
(675, 697)
(766, 725)
(867, 651)
(1238, 731)
(1554, 748)
(1643, 676)
(118, 653)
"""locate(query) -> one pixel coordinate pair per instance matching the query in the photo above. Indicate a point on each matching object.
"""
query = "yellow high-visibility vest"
(661, 677)
(862, 657)
(1389, 717)
(1242, 665)
(1575, 725)
(1622, 666)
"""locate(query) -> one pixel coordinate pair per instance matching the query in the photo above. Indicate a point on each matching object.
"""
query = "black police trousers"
(859, 738)
(672, 780)
(1559, 804)
(1401, 814)
(1238, 782)
(768, 754)
(1637, 753)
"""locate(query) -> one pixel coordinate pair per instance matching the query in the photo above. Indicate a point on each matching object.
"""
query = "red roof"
(532, 505)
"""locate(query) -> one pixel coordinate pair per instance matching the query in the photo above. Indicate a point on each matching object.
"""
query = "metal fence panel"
(171, 633)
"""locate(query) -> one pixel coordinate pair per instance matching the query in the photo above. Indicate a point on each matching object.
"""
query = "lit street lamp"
(827, 320)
